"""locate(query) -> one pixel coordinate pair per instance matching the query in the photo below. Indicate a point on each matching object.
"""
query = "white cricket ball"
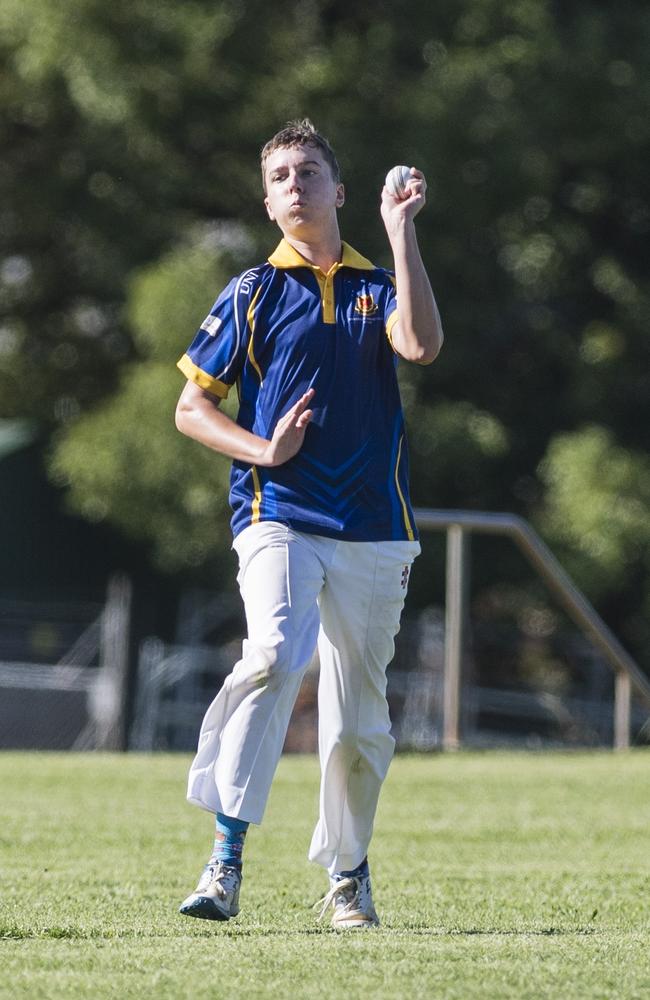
(396, 181)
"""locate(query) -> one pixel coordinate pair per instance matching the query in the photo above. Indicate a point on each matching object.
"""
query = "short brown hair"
(300, 132)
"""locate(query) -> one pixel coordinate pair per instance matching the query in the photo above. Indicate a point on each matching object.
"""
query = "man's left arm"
(417, 333)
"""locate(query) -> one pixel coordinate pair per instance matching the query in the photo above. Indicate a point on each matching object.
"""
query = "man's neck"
(322, 253)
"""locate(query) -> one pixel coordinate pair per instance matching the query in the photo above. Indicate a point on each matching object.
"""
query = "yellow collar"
(286, 256)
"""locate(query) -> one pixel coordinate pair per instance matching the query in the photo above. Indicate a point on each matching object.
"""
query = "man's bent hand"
(199, 417)
(289, 433)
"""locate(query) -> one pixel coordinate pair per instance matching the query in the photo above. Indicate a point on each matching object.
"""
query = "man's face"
(301, 194)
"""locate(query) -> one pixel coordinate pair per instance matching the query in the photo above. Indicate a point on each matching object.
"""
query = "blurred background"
(130, 193)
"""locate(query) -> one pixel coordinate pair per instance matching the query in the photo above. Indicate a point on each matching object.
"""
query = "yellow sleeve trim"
(390, 323)
(390, 326)
(202, 379)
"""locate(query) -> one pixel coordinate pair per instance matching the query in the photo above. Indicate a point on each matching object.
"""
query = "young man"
(322, 522)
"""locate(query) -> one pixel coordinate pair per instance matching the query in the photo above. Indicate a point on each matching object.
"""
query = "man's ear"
(340, 195)
(268, 210)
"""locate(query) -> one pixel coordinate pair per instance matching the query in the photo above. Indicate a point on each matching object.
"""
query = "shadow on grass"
(497, 931)
(203, 930)
(211, 929)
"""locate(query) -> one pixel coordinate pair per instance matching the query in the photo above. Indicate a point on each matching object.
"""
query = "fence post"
(111, 694)
(147, 702)
(622, 710)
(455, 625)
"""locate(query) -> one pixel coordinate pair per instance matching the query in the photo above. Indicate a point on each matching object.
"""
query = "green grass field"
(495, 875)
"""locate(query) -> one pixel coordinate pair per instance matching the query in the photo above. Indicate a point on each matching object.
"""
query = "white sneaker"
(216, 897)
(351, 898)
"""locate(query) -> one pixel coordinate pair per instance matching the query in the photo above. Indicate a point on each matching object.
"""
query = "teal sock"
(229, 837)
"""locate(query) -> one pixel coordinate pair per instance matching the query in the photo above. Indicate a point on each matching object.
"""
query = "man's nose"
(295, 184)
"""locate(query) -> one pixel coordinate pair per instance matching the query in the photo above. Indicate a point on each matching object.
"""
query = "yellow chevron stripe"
(250, 317)
(257, 499)
(407, 522)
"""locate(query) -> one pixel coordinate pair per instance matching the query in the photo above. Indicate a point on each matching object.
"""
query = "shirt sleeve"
(216, 356)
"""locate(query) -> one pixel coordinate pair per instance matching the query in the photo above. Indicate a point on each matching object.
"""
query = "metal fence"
(64, 669)
(437, 697)
(459, 526)
(64, 672)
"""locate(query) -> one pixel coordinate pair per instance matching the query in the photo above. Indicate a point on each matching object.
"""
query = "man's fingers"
(304, 418)
(304, 399)
(297, 408)
(290, 431)
(295, 418)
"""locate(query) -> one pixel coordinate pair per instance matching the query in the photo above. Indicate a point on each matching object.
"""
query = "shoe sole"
(204, 908)
(354, 925)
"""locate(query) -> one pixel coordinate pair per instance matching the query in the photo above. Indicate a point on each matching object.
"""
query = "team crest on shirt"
(366, 305)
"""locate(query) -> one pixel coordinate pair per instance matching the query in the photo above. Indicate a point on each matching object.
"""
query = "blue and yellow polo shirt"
(280, 329)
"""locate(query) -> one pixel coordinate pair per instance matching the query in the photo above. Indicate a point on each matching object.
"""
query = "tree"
(597, 507)
(125, 460)
(131, 125)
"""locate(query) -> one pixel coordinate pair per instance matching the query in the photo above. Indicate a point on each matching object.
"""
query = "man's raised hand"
(289, 433)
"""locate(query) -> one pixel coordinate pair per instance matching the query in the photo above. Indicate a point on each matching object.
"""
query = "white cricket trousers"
(301, 591)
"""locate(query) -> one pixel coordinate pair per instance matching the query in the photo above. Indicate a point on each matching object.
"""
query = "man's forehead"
(294, 156)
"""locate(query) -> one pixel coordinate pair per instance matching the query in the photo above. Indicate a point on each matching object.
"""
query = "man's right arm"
(199, 417)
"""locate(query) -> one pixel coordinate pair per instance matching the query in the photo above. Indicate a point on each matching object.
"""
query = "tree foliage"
(130, 187)
(597, 503)
(125, 460)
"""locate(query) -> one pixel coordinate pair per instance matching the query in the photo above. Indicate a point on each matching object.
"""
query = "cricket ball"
(396, 181)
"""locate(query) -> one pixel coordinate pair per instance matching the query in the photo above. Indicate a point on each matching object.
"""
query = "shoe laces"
(224, 879)
(348, 888)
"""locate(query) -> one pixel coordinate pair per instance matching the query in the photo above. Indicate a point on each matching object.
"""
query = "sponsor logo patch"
(211, 325)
